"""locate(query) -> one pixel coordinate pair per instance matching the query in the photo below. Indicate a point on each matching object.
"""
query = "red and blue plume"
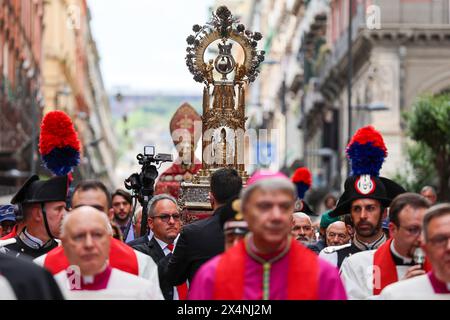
(58, 143)
(302, 179)
(366, 152)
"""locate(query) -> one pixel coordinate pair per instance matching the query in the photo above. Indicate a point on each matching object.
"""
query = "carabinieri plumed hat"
(39, 191)
(366, 152)
(302, 179)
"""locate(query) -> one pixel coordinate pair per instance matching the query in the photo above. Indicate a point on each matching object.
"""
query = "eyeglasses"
(166, 217)
(440, 241)
(414, 231)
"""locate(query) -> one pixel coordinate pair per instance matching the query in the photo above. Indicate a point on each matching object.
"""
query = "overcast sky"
(142, 43)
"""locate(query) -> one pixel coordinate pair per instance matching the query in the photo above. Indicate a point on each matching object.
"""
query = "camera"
(142, 184)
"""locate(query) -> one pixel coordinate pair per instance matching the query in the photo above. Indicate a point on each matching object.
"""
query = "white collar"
(33, 238)
(90, 279)
(369, 246)
(406, 260)
(163, 244)
(31, 241)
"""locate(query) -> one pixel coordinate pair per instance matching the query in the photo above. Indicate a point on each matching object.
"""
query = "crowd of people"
(262, 242)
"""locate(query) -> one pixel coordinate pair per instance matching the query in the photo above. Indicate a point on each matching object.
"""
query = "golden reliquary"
(223, 56)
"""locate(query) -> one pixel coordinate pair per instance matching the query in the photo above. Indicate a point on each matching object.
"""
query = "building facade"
(73, 83)
(21, 97)
(400, 49)
(49, 61)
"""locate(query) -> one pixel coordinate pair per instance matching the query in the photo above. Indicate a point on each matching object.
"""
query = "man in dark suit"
(204, 239)
(165, 223)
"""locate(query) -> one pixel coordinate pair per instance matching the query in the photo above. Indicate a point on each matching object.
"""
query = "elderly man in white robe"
(434, 285)
(85, 238)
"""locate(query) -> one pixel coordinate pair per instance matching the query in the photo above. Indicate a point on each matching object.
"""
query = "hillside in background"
(141, 120)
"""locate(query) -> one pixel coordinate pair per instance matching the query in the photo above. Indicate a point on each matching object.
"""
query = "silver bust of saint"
(222, 149)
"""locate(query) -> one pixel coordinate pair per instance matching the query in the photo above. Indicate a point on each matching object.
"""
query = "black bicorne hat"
(366, 152)
(38, 191)
(302, 206)
(366, 187)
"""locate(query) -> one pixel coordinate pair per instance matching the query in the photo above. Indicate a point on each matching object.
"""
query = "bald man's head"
(82, 213)
(85, 236)
(337, 234)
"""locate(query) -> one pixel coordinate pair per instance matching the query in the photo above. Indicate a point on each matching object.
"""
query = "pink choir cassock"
(330, 286)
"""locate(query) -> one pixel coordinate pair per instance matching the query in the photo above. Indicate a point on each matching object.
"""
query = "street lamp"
(374, 106)
(17, 173)
(369, 108)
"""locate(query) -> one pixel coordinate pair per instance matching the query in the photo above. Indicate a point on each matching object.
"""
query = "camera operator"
(143, 184)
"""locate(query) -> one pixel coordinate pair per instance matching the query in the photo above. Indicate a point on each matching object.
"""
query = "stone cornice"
(401, 34)
(333, 79)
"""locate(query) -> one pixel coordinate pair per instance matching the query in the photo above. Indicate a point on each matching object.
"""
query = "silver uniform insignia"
(6, 242)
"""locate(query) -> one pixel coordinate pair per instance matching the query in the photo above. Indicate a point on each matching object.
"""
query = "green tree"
(419, 170)
(429, 124)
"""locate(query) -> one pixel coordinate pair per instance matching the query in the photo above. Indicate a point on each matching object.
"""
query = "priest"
(435, 285)
(95, 194)
(268, 264)
(366, 273)
(86, 238)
